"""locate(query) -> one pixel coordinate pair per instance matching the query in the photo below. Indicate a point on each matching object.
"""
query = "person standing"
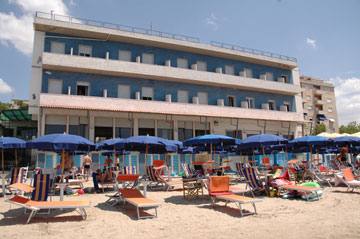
(87, 166)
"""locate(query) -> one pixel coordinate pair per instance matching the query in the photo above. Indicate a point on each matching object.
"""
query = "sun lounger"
(135, 198)
(252, 180)
(123, 181)
(157, 180)
(303, 189)
(219, 189)
(35, 206)
(347, 177)
(22, 187)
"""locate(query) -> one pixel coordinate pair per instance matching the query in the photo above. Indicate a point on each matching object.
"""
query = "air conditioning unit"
(242, 73)
(244, 104)
(195, 100)
(107, 56)
(105, 93)
(220, 102)
(194, 67)
(168, 63)
(281, 79)
(137, 95)
(168, 98)
(71, 51)
(69, 90)
(138, 59)
(265, 106)
(218, 70)
(263, 77)
(283, 108)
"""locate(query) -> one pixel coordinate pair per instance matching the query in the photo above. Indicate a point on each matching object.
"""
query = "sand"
(336, 215)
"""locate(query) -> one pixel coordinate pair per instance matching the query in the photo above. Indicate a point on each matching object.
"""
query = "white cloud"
(347, 98)
(212, 21)
(4, 87)
(17, 30)
(311, 42)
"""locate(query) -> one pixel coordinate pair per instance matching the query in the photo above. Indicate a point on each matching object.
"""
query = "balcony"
(71, 63)
(160, 107)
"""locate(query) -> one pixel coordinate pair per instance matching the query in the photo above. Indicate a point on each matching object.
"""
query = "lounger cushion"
(135, 197)
(238, 198)
(49, 204)
(21, 187)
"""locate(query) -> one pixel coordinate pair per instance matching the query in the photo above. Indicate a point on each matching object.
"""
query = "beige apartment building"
(319, 104)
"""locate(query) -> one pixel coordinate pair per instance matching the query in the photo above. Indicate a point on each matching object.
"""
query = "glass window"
(57, 47)
(124, 55)
(203, 98)
(229, 70)
(182, 63)
(269, 76)
(248, 73)
(185, 130)
(148, 58)
(54, 129)
(183, 96)
(287, 105)
(124, 91)
(251, 102)
(285, 78)
(82, 88)
(85, 50)
(201, 66)
(147, 93)
(55, 86)
(122, 132)
(234, 133)
(231, 101)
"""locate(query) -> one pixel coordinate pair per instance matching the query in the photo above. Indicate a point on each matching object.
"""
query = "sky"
(324, 35)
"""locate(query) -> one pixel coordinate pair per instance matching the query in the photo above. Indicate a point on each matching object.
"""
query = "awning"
(15, 115)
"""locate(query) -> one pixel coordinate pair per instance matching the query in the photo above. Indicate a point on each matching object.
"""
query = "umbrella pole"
(16, 162)
(62, 165)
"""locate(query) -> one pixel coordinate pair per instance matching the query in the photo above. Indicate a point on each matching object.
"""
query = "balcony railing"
(151, 32)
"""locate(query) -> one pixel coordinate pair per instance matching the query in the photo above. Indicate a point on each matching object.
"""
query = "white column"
(43, 122)
(91, 127)
(67, 124)
(114, 127)
(156, 126)
(193, 128)
(136, 126)
(175, 129)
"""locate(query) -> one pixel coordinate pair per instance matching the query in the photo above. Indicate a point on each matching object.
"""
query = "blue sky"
(323, 35)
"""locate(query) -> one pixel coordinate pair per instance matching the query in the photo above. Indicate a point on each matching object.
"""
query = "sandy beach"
(336, 215)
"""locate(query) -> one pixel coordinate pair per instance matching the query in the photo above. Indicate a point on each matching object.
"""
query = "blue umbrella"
(347, 140)
(9, 143)
(149, 144)
(261, 140)
(61, 142)
(212, 139)
(312, 140)
(111, 144)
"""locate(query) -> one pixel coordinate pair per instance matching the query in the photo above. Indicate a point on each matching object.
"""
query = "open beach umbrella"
(309, 143)
(111, 144)
(347, 141)
(261, 140)
(149, 144)
(9, 143)
(212, 139)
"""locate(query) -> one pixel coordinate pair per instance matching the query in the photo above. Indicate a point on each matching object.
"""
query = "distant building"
(106, 80)
(319, 104)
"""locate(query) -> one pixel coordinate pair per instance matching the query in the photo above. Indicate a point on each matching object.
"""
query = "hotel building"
(319, 104)
(102, 80)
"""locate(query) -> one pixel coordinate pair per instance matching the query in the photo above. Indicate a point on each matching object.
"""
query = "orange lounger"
(305, 189)
(135, 198)
(219, 188)
(35, 206)
(26, 188)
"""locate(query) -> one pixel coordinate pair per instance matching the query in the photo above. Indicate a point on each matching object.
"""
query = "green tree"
(319, 128)
(350, 128)
(4, 106)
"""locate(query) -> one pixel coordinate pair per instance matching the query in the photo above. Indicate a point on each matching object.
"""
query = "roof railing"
(151, 32)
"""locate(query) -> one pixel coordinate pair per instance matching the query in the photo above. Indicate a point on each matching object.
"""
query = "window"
(237, 134)
(148, 58)
(124, 91)
(124, 55)
(147, 93)
(55, 86)
(251, 102)
(287, 106)
(201, 66)
(82, 88)
(229, 70)
(231, 101)
(182, 63)
(248, 73)
(203, 98)
(57, 47)
(272, 105)
(284, 78)
(183, 96)
(85, 50)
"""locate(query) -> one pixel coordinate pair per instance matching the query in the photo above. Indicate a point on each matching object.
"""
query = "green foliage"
(319, 128)
(350, 128)
(4, 106)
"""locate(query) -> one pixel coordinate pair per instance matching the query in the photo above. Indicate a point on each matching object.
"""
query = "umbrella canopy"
(111, 144)
(149, 144)
(11, 143)
(61, 142)
(310, 140)
(347, 140)
(261, 140)
(210, 139)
